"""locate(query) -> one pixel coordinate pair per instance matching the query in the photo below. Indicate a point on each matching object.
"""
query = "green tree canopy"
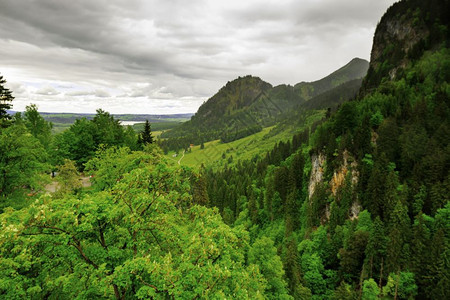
(142, 239)
(37, 125)
(22, 159)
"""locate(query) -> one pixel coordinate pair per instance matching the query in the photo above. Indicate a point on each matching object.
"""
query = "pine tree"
(352, 257)
(291, 265)
(296, 171)
(375, 193)
(419, 250)
(376, 249)
(437, 267)
(5, 102)
(253, 208)
(398, 227)
(146, 135)
(199, 193)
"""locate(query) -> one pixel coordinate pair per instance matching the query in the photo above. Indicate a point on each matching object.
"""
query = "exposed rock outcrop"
(317, 165)
(339, 175)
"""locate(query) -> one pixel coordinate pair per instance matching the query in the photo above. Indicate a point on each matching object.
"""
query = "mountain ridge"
(247, 104)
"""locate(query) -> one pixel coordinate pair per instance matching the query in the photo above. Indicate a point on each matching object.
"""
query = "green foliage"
(81, 141)
(68, 178)
(264, 254)
(312, 268)
(344, 292)
(110, 165)
(22, 160)
(370, 290)
(126, 242)
(376, 119)
(346, 118)
(401, 285)
(352, 256)
(37, 125)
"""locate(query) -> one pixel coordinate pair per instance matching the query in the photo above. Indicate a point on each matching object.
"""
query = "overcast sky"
(168, 56)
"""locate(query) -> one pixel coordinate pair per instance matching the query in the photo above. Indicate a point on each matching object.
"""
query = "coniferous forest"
(353, 206)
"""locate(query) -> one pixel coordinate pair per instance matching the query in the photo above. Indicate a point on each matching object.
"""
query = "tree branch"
(76, 243)
(102, 237)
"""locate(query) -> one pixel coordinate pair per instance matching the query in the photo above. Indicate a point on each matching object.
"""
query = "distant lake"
(126, 123)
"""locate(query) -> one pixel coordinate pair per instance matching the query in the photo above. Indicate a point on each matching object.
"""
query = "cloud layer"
(141, 56)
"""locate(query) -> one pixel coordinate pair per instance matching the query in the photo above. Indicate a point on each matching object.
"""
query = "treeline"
(228, 129)
(354, 208)
(29, 150)
(82, 139)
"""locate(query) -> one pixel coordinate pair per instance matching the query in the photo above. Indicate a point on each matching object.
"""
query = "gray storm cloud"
(170, 56)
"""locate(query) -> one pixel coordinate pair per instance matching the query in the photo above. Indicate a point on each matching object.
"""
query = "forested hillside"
(354, 206)
(245, 105)
(358, 207)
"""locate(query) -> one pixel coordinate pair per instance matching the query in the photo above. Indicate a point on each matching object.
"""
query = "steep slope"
(235, 95)
(355, 69)
(334, 97)
(359, 205)
(245, 105)
(403, 34)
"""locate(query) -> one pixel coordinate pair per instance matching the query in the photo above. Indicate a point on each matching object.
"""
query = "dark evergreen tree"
(352, 257)
(419, 252)
(376, 250)
(146, 135)
(6, 98)
(398, 235)
(375, 193)
(199, 193)
(291, 265)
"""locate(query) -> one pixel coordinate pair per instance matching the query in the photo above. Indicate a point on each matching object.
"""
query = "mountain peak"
(236, 94)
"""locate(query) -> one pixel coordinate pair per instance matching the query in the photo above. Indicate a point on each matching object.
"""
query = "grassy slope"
(217, 154)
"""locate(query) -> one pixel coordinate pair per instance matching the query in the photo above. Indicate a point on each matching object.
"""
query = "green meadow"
(217, 154)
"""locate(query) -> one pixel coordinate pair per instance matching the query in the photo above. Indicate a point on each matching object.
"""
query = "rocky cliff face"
(317, 165)
(395, 32)
(401, 37)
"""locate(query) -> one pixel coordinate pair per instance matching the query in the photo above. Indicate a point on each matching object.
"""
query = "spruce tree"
(146, 135)
(5, 101)
(199, 190)
(420, 251)
(376, 249)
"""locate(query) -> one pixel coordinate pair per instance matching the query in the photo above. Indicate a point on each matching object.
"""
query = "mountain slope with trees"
(358, 206)
(245, 105)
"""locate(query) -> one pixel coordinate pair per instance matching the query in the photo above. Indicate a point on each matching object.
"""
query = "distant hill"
(69, 118)
(62, 121)
(247, 104)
